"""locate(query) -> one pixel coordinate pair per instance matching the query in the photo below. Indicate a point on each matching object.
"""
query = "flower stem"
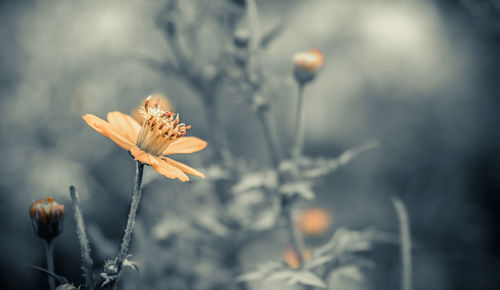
(292, 230)
(263, 114)
(404, 232)
(127, 237)
(84, 242)
(49, 253)
(299, 123)
(270, 136)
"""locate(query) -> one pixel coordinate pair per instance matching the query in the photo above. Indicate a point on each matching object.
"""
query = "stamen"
(159, 129)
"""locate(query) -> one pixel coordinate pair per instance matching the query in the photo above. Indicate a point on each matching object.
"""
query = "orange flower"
(292, 258)
(163, 104)
(315, 221)
(306, 64)
(160, 134)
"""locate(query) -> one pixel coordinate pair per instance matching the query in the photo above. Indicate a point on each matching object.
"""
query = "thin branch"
(404, 231)
(82, 238)
(61, 279)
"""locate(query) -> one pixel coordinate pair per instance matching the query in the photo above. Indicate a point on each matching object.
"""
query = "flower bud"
(46, 216)
(306, 64)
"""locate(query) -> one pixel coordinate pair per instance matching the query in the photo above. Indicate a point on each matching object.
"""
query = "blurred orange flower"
(163, 104)
(306, 64)
(314, 221)
(160, 134)
(292, 258)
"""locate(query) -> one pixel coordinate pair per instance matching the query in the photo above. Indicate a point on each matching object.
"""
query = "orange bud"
(306, 64)
(315, 221)
(46, 216)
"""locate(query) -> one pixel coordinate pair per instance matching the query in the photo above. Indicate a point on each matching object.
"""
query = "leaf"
(130, 263)
(262, 271)
(322, 167)
(267, 179)
(281, 275)
(250, 276)
(208, 221)
(301, 188)
(271, 35)
(350, 271)
(307, 278)
(315, 262)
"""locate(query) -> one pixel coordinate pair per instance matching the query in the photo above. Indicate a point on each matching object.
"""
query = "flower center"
(159, 129)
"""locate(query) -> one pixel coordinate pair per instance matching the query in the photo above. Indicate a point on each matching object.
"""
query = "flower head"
(160, 134)
(306, 64)
(46, 216)
(314, 221)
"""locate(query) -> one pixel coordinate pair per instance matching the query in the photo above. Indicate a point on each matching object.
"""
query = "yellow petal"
(144, 157)
(170, 171)
(185, 145)
(124, 124)
(105, 129)
(183, 167)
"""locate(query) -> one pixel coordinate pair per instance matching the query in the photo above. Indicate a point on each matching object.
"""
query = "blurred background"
(419, 76)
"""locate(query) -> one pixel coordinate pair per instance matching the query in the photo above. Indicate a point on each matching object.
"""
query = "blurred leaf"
(266, 179)
(307, 278)
(350, 271)
(210, 222)
(302, 188)
(311, 168)
(318, 261)
(260, 272)
(271, 35)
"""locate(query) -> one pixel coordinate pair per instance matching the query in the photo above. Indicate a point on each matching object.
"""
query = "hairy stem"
(299, 124)
(82, 238)
(49, 254)
(405, 239)
(127, 237)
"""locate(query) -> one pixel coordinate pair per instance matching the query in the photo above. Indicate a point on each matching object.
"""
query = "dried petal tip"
(306, 64)
(46, 217)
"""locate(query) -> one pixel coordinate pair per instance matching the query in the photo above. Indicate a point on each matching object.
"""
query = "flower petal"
(185, 145)
(144, 157)
(125, 124)
(92, 120)
(183, 167)
(105, 129)
(170, 171)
